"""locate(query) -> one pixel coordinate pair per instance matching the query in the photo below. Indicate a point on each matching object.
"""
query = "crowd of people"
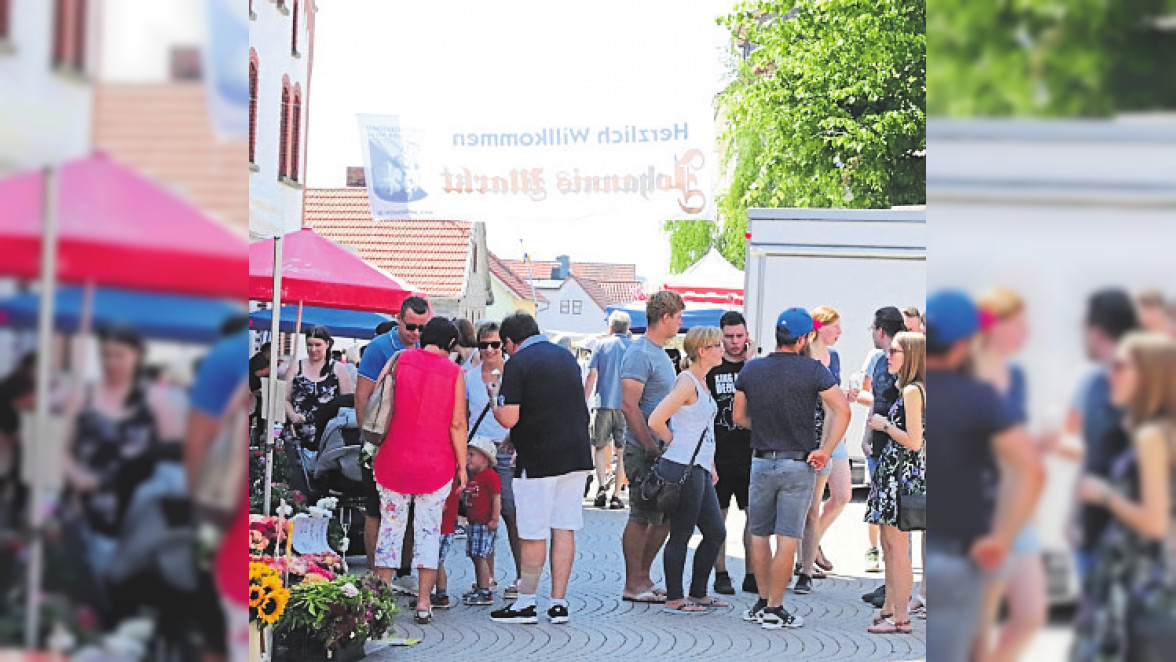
(510, 431)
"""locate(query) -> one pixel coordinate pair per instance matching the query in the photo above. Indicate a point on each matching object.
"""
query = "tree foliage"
(827, 110)
(1059, 58)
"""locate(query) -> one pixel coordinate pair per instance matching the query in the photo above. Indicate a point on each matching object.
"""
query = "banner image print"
(652, 170)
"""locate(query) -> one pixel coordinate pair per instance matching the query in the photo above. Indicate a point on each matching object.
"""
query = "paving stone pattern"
(603, 627)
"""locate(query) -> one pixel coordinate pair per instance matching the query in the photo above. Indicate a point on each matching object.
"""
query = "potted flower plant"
(334, 619)
(267, 603)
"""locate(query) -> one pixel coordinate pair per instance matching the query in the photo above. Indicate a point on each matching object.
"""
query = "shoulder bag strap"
(478, 423)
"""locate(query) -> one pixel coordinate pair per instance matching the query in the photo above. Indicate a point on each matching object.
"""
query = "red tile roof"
(621, 291)
(431, 255)
(599, 271)
(511, 280)
(163, 131)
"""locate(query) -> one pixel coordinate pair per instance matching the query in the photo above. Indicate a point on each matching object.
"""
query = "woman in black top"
(312, 384)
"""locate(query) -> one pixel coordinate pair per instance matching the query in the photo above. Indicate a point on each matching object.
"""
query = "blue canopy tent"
(694, 315)
(342, 323)
(159, 316)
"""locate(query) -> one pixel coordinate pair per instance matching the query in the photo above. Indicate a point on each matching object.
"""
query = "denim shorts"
(780, 495)
(840, 452)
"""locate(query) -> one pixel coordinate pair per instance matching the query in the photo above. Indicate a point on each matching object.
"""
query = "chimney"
(565, 267)
(355, 177)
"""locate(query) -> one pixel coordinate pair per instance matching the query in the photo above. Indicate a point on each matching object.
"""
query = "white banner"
(551, 169)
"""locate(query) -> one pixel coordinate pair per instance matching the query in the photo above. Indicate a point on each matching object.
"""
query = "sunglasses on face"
(413, 327)
(490, 344)
(893, 350)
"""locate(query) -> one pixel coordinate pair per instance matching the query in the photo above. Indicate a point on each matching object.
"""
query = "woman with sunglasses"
(311, 385)
(901, 471)
(691, 408)
(487, 371)
(1129, 596)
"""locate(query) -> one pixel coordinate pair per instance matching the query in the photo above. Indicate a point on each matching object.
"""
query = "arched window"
(69, 34)
(284, 134)
(253, 65)
(295, 131)
(4, 11)
(294, 35)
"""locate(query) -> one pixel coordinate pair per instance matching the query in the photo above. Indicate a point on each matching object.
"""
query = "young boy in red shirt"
(482, 500)
(440, 597)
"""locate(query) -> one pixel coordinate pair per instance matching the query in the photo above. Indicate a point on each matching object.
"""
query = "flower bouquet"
(267, 596)
(335, 618)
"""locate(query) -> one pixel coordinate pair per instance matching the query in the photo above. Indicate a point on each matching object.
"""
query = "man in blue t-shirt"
(974, 524)
(775, 397)
(414, 315)
(608, 425)
(1110, 315)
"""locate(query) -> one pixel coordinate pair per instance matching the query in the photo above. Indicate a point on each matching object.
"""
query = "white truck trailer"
(853, 260)
(1054, 211)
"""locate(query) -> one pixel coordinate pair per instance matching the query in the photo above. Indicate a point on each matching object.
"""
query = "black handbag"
(664, 494)
(912, 508)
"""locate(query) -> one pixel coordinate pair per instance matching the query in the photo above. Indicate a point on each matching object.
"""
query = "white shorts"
(543, 504)
(237, 631)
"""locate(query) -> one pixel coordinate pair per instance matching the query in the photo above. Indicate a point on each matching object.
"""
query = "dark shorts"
(371, 496)
(734, 481)
(638, 464)
(608, 425)
(506, 480)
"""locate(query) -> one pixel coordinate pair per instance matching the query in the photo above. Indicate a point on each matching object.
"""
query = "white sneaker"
(873, 560)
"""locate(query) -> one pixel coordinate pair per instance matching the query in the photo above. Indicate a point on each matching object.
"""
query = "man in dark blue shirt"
(973, 525)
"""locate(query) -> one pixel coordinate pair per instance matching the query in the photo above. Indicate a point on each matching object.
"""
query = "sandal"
(687, 607)
(818, 573)
(615, 503)
(823, 561)
(888, 626)
(881, 617)
(710, 601)
(424, 617)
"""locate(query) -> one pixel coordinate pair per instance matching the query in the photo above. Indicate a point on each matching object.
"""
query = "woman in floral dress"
(1128, 606)
(314, 383)
(901, 470)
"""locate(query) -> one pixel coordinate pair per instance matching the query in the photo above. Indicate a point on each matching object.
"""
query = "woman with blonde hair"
(836, 473)
(901, 471)
(1004, 331)
(1129, 597)
(686, 419)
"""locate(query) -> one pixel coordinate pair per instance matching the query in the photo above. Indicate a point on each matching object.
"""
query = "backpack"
(217, 494)
(380, 405)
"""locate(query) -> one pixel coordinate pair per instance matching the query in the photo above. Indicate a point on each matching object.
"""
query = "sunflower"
(272, 607)
(255, 595)
(271, 585)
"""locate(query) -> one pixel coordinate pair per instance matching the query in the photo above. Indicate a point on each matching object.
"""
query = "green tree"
(827, 110)
(1051, 58)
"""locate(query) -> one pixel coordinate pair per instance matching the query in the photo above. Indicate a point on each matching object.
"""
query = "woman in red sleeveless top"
(416, 464)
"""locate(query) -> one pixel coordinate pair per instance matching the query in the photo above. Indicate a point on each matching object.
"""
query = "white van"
(853, 260)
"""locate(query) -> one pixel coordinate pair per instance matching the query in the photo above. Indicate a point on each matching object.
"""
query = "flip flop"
(615, 504)
(686, 607)
(818, 573)
(711, 601)
(888, 626)
(648, 597)
(823, 561)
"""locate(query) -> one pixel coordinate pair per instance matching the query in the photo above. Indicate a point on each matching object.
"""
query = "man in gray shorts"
(647, 377)
(775, 397)
(608, 424)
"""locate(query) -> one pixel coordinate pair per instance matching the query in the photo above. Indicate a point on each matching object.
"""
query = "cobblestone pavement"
(603, 627)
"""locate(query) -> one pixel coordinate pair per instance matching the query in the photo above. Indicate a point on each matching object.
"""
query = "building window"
(252, 105)
(564, 307)
(295, 131)
(284, 131)
(294, 35)
(5, 10)
(577, 307)
(186, 63)
(69, 34)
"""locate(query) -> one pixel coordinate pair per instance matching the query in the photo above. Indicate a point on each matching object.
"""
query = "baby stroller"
(337, 472)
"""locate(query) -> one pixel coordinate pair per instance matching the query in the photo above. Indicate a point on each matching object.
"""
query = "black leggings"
(699, 506)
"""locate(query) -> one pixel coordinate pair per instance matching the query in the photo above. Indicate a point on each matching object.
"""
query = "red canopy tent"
(118, 229)
(318, 272)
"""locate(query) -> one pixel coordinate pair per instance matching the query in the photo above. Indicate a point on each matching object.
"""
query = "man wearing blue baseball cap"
(775, 398)
(973, 521)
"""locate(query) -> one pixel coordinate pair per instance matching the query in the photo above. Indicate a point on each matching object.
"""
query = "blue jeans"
(955, 586)
(698, 506)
